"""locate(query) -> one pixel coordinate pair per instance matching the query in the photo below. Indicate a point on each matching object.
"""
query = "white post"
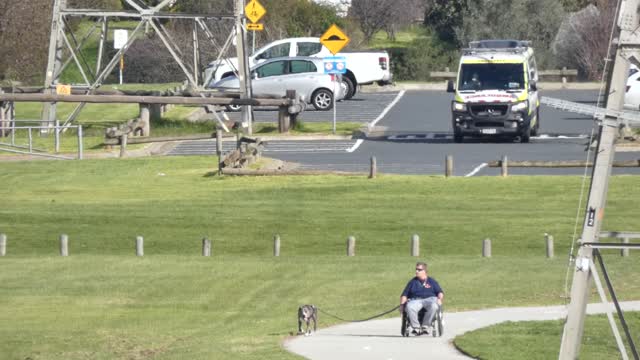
(3, 244)
(80, 145)
(351, 246)
(64, 245)
(276, 245)
(139, 246)
(415, 245)
(486, 248)
(206, 247)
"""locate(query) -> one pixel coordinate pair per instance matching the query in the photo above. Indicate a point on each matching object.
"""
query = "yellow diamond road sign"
(334, 39)
(254, 11)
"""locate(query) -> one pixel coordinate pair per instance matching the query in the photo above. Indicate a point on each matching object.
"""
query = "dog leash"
(367, 319)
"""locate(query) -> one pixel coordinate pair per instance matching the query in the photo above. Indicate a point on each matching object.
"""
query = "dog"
(306, 314)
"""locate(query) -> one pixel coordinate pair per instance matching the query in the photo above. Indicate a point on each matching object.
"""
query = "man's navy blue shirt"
(417, 289)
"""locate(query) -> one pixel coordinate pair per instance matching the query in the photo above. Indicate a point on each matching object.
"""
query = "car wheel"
(233, 107)
(322, 99)
(351, 87)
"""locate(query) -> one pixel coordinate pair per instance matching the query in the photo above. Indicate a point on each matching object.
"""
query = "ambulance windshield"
(491, 76)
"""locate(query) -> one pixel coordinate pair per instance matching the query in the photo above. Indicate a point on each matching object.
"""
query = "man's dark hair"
(423, 264)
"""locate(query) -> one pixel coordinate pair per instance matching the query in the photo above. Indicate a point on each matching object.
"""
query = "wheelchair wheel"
(404, 330)
(438, 328)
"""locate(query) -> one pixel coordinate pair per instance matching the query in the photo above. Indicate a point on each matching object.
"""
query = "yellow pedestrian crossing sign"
(334, 39)
(254, 11)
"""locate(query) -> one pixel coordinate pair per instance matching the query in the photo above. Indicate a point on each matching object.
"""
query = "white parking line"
(355, 146)
(477, 169)
(386, 110)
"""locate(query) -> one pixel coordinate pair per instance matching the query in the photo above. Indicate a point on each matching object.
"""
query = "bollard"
(3, 244)
(374, 168)
(64, 245)
(276, 245)
(139, 246)
(549, 242)
(415, 245)
(351, 246)
(504, 166)
(625, 252)
(123, 145)
(486, 248)
(448, 169)
(206, 246)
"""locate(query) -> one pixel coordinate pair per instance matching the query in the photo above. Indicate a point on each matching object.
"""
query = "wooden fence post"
(64, 245)
(206, 246)
(504, 166)
(351, 246)
(448, 169)
(625, 252)
(145, 119)
(486, 248)
(415, 245)
(276, 245)
(139, 246)
(373, 171)
(549, 245)
(3, 244)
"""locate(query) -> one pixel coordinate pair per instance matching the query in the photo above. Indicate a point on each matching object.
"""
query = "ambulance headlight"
(521, 106)
(459, 106)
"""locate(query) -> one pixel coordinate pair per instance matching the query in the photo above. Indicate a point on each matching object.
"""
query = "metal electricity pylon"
(148, 17)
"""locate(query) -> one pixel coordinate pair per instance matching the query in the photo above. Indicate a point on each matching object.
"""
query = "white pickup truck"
(362, 67)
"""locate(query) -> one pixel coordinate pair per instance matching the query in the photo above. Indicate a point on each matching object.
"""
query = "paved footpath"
(381, 339)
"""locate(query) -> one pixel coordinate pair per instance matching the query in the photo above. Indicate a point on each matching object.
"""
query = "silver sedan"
(305, 75)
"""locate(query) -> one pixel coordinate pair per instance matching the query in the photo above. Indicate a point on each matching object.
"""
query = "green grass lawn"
(104, 303)
(540, 340)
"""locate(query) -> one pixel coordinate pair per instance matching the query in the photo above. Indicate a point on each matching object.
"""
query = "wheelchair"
(437, 325)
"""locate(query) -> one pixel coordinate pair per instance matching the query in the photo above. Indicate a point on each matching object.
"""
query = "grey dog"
(306, 314)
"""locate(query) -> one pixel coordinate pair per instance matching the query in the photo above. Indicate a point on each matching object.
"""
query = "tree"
(534, 20)
(583, 39)
(444, 16)
(372, 16)
(24, 40)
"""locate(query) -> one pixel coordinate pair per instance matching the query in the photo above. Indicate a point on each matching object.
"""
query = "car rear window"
(302, 66)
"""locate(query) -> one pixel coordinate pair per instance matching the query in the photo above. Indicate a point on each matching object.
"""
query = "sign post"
(254, 11)
(334, 40)
(120, 38)
(335, 65)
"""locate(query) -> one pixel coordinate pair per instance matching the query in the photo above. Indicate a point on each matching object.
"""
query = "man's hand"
(401, 309)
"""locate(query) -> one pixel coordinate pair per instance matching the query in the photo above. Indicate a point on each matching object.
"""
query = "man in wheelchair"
(422, 292)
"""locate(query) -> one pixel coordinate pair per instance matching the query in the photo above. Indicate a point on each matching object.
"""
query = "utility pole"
(243, 65)
(574, 327)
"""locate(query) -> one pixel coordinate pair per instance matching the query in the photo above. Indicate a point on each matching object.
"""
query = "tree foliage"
(534, 20)
(387, 15)
(444, 16)
(24, 39)
(582, 41)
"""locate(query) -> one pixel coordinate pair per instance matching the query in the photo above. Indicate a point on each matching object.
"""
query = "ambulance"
(496, 93)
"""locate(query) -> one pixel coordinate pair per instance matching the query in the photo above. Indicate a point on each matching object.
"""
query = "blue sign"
(335, 65)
